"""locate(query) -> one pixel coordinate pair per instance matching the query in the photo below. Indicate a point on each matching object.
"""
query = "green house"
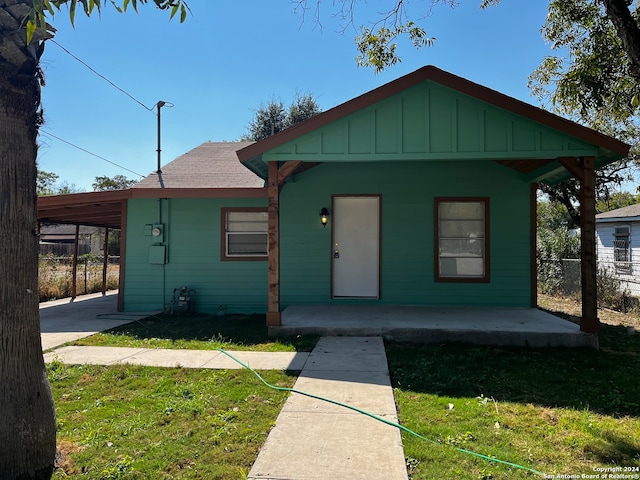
(420, 192)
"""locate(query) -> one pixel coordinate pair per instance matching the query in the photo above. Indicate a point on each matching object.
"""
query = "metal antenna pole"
(160, 104)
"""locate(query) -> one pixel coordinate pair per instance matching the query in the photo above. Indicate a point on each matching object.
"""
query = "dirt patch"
(63, 461)
(571, 309)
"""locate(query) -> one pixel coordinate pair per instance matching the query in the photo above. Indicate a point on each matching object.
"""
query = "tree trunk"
(27, 420)
(628, 31)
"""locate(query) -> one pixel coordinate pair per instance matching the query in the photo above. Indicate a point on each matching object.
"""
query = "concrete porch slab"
(521, 327)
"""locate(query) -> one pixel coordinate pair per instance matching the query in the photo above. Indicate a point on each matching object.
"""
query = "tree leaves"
(378, 49)
(273, 117)
(591, 76)
(43, 9)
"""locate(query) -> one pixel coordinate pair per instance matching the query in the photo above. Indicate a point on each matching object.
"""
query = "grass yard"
(131, 422)
(558, 411)
(199, 332)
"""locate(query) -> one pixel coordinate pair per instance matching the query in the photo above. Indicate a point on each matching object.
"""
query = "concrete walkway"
(160, 357)
(313, 439)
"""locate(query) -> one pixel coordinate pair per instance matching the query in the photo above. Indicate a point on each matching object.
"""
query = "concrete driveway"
(66, 320)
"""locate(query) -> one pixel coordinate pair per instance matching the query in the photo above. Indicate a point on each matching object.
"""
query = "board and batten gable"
(407, 191)
(429, 121)
(192, 237)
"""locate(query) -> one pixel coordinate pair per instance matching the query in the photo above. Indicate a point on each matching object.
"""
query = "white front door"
(356, 249)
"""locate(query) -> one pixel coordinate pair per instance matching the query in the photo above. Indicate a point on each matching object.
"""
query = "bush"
(612, 294)
(552, 247)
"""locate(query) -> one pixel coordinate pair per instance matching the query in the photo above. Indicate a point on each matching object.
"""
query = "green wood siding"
(192, 238)
(429, 122)
(407, 265)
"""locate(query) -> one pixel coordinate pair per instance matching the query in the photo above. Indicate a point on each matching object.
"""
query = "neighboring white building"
(618, 245)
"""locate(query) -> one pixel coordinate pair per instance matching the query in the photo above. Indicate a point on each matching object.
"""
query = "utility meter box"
(157, 232)
(157, 254)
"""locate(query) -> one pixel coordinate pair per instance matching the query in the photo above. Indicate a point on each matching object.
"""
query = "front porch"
(518, 327)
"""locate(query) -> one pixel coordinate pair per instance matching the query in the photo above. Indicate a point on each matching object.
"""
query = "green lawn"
(199, 332)
(558, 411)
(132, 422)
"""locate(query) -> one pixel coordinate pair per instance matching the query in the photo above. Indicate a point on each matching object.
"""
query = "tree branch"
(627, 28)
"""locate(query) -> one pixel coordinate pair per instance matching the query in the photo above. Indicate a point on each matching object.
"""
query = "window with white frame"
(245, 233)
(622, 248)
(462, 243)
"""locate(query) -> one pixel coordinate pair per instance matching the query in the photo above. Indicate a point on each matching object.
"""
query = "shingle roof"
(624, 212)
(210, 165)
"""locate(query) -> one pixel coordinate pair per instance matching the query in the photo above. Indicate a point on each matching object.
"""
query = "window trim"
(224, 257)
(486, 278)
(622, 267)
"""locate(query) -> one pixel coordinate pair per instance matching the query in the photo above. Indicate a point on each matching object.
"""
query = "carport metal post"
(105, 260)
(74, 272)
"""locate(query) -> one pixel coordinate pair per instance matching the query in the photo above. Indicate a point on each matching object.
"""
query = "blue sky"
(228, 58)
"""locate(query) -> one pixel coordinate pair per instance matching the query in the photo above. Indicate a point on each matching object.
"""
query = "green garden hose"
(380, 419)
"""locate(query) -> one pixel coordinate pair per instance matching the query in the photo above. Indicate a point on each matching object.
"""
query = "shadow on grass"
(606, 381)
(237, 329)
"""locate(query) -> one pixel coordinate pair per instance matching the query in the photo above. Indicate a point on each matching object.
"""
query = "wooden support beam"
(574, 166)
(533, 235)
(273, 275)
(589, 322)
(286, 170)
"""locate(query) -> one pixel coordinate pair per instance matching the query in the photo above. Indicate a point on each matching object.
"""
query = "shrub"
(552, 246)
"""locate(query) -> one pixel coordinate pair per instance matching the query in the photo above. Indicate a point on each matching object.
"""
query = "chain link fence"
(618, 282)
(55, 275)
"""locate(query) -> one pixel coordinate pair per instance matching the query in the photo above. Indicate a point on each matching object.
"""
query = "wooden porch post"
(589, 322)
(273, 307)
(584, 170)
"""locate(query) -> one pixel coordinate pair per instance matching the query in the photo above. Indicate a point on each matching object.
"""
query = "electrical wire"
(103, 77)
(90, 153)
(380, 419)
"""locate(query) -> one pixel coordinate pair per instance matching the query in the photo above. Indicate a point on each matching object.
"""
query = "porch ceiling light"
(324, 215)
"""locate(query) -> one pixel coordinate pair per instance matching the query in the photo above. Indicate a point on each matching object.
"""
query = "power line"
(103, 77)
(90, 153)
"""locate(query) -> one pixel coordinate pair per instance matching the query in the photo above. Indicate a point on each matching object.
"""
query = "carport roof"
(106, 209)
(99, 209)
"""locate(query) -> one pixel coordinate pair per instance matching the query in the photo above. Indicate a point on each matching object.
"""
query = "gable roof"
(629, 213)
(210, 165)
(543, 137)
